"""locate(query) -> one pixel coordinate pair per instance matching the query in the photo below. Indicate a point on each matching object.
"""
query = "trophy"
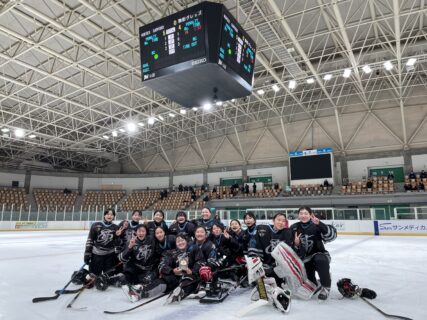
(183, 263)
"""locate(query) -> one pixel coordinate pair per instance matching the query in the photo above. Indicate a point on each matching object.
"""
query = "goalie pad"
(255, 268)
(290, 267)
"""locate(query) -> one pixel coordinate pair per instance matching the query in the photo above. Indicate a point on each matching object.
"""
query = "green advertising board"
(398, 172)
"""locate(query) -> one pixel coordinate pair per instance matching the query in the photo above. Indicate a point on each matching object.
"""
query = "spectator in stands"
(423, 174)
(165, 192)
(390, 176)
(206, 198)
(420, 186)
(412, 175)
(180, 187)
(191, 189)
(242, 188)
(193, 196)
(67, 191)
(158, 221)
(185, 188)
(214, 190)
(326, 183)
(203, 187)
(276, 186)
(246, 188)
(369, 184)
(162, 195)
(407, 187)
(254, 188)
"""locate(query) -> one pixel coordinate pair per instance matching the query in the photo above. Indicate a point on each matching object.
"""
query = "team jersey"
(141, 256)
(102, 238)
(187, 228)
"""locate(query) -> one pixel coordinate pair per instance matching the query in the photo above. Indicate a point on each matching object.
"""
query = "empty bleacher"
(176, 200)
(107, 199)
(55, 199)
(310, 190)
(140, 200)
(379, 185)
(13, 197)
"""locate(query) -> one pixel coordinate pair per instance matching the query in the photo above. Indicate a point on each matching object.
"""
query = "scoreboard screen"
(235, 50)
(169, 41)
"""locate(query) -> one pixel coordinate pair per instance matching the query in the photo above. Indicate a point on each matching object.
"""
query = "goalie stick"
(387, 315)
(41, 299)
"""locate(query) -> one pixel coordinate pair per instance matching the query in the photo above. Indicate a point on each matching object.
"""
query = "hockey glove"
(87, 258)
(205, 273)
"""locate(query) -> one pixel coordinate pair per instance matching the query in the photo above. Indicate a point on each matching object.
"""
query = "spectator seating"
(414, 184)
(13, 196)
(54, 199)
(175, 201)
(379, 185)
(267, 192)
(310, 190)
(140, 200)
(101, 199)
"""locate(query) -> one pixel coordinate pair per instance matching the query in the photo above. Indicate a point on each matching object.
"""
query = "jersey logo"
(105, 237)
(307, 243)
(273, 244)
(144, 252)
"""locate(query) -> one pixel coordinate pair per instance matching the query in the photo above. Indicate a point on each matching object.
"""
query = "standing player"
(207, 221)
(182, 225)
(101, 244)
(309, 235)
(158, 221)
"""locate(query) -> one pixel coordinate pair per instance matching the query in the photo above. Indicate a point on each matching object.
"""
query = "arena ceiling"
(70, 75)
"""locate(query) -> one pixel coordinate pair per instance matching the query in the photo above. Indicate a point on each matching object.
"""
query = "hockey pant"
(135, 275)
(102, 263)
(290, 267)
(319, 262)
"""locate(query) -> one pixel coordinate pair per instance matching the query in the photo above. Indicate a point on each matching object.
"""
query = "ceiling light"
(310, 80)
(347, 73)
(32, 136)
(19, 133)
(141, 124)
(388, 65)
(5, 130)
(327, 77)
(114, 133)
(367, 69)
(218, 103)
(122, 130)
(275, 87)
(195, 108)
(411, 61)
(131, 127)
(161, 118)
(151, 120)
(292, 84)
(233, 100)
(260, 92)
(106, 137)
(171, 115)
(207, 106)
(183, 111)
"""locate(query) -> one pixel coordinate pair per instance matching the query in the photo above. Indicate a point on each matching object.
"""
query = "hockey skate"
(176, 295)
(134, 293)
(323, 294)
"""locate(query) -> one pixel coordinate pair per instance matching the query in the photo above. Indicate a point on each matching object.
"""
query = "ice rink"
(34, 264)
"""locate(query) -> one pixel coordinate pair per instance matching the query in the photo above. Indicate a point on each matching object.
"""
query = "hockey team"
(206, 260)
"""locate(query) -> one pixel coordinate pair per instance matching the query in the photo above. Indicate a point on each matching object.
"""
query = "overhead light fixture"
(183, 111)
(233, 100)
(122, 130)
(106, 137)
(292, 84)
(195, 108)
(347, 73)
(275, 88)
(310, 80)
(171, 115)
(19, 133)
(260, 92)
(141, 124)
(367, 69)
(327, 77)
(388, 65)
(207, 106)
(151, 120)
(114, 134)
(218, 103)
(161, 118)
(411, 61)
(5, 130)
(32, 136)
(131, 127)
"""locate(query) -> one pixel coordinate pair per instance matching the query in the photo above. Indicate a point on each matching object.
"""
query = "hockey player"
(207, 221)
(182, 225)
(227, 247)
(101, 244)
(266, 239)
(129, 227)
(309, 235)
(163, 241)
(139, 258)
(158, 221)
(248, 239)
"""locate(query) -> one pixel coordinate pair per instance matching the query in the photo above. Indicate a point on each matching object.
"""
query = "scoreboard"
(201, 49)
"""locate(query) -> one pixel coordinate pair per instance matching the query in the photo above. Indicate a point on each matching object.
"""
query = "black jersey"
(187, 228)
(312, 237)
(171, 260)
(203, 254)
(168, 243)
(266, 239)
(130, 231)
(208, 224)
(152, 225)
(225, 247)
(248, 238)
(102, 238)
(141, 256)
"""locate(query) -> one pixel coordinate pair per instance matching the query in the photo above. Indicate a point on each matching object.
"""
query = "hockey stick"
(68, 291)
(387, 315)
(40, 299)
(139, 305)
(70, 305)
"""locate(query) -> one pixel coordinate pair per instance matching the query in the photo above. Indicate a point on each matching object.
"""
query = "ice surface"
(34, 264)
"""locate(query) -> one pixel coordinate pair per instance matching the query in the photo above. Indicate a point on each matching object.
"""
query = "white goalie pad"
(290, 267)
